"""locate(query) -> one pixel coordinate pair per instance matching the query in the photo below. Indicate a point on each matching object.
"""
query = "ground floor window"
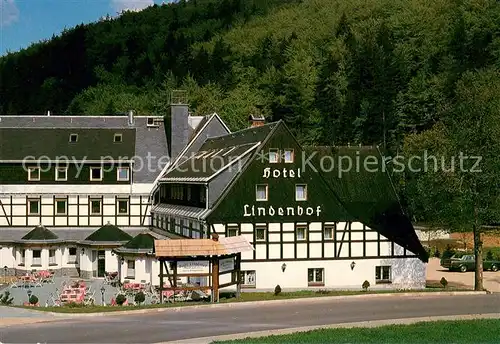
(131, 269)
(316, 277)
(383, 274)
(247, 278)
(22, 256)
(52, 257)
(232, 231)
(37, 258)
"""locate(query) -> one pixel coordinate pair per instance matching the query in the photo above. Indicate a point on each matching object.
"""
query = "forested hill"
(336, 71)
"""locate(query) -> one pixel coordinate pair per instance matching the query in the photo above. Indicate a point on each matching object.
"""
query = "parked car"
(467, 262)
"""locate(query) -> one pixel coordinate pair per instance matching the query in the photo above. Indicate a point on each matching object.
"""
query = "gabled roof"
(40, 233)
(218, 154)
(202, 247)
(108, 233)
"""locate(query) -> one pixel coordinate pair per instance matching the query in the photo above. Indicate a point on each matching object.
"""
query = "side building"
(73, 188)
(313, 223)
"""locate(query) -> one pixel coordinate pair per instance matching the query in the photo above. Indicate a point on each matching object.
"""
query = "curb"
(261, 303)
(366, 324)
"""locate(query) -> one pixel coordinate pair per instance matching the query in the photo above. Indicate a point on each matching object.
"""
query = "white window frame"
(248, 278)
(328, 229)
(292, 156)
(266, 186)
(153, 123)
(58, 177)
(276, 151)
(118, 174)
(91, 208)
(118, 138)
(52, 259)
(130, 271)
(118, 200)
(30, 171)
(383, 280)
(301, 228)
(296, 192)
(315, 282)
(36, 260)
(232, 229)
(75, 136)
(260, 228)
(37, 200)
(65, 206)
(92, 179)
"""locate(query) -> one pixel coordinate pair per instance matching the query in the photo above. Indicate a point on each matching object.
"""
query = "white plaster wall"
(111, 263)
(7, 257)
(408, 273)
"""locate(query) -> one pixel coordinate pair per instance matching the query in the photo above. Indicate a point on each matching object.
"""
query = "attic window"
(73, 138)
(118, 138)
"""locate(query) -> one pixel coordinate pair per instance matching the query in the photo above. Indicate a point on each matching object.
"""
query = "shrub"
(489, 255)
(323, 291)
(120, 299)
(33, 300)
(277, 290)
(443, 282)
(5, 299)
(140, 297)
(365, 285)
(437, 254)
(74, 305)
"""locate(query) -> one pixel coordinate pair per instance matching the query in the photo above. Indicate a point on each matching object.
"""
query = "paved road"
(185, 324)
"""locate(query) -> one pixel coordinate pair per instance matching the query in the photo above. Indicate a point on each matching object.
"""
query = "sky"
(23, 22)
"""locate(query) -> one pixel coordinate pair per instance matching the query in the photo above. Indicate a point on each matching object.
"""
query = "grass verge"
(457, 332)
(230, 297)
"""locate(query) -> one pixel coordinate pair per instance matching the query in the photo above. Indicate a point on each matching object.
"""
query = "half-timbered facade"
(311, 224)
(73, 175)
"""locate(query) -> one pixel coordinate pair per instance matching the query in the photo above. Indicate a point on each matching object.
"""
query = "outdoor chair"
(89, 299)
(14, 283)
(55, 302)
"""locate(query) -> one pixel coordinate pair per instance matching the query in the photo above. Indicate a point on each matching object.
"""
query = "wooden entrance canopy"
(192, 250)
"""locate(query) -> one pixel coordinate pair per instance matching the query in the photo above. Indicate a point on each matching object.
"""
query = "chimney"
(215, 237)
(131, 117)
(178, 123)
(256, 121)
(48, 113)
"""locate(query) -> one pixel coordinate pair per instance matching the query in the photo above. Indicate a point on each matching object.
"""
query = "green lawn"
(230, 297)
(456, 332)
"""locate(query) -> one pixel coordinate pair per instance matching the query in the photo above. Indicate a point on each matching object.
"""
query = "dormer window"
(95, 174)
(122, 174)
(34, 173)
(118, 138)
(73, 138)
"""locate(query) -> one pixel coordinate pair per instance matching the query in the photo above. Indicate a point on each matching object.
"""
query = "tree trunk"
(478, 252)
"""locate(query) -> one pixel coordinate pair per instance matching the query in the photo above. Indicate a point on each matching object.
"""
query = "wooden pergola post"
(215, 280)
(162, 261)
(237, 264)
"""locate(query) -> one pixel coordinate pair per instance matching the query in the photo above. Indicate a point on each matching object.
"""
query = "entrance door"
(101, 263)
